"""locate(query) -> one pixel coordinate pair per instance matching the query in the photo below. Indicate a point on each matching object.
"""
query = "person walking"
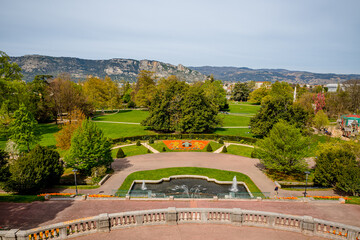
(276, 192)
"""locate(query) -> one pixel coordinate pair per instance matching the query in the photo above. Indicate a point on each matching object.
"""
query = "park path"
(150, 148)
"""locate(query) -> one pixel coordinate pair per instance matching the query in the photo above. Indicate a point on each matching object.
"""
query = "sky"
(311, 35)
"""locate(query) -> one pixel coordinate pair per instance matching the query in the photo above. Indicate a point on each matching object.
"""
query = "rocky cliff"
(117, 68)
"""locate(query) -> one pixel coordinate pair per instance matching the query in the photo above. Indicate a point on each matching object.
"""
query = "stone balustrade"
(107, 222)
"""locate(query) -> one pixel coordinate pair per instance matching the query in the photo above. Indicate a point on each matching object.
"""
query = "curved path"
(123, 167)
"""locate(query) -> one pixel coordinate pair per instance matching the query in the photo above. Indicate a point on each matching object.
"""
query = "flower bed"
(56, 194)
(185, 144)
(288, 198)
(100, 196)
(329, 197)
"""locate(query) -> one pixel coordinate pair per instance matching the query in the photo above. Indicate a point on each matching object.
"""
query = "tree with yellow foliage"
(71, 123)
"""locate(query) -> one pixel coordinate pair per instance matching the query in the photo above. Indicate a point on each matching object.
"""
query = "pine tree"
(224, 150)
(138, 143)
(120, 153)
(89, 148)
(209, 148)
(24, 128)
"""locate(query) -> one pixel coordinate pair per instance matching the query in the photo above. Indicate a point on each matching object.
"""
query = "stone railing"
(171, 216)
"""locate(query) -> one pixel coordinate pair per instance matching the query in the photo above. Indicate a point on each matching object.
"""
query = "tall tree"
(165, 112)
(89, 148)
(352, 87)
(241, 92)
(321, 120)
(284, 150)
(257, 95)
(144, 88)
(198, 114)
(215, 92)
(24, 129)
(72, 122)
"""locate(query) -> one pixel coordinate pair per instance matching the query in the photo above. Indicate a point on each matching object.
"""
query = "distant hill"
(117, 68)
(245, 74)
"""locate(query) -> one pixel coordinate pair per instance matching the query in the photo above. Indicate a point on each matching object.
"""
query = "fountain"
(191, 187)
(143, 187)
(234, 186)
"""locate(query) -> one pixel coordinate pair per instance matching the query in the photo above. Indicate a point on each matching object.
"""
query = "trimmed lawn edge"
(220, 175)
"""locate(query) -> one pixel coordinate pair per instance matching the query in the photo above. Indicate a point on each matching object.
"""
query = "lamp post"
(75, 171)
(307, 173)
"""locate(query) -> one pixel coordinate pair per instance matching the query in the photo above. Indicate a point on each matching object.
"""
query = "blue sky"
(311, 35)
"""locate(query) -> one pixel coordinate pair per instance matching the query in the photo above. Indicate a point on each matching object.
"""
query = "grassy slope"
(134, 116)
(240, 150)
(244, 108)
(131, 151)
(5, 197)
(116, 130)
(209, 172)
(160, 144)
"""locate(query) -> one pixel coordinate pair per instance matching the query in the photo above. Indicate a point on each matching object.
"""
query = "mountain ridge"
(128, 69)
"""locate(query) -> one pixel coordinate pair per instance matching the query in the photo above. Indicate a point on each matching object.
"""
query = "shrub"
(148, 151)
(224, 150)
(209, 148)
(164, 149)
(138, 143)
(120, 153)
(151, 141)
(221, 141)
(40, 168)
(97, 173)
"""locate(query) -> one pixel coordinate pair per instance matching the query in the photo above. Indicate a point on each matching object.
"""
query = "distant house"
(349, 124)
(332, 87)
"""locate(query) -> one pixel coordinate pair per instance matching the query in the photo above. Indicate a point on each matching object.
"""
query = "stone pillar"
(63, 232)
(11, 234)
(103, 223)
(236, 216)
(171, 217)
(351, 235)
(139, 219)
(271, 221)
(308, 225)
(204, 217)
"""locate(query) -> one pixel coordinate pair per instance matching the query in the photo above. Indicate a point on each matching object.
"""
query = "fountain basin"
(188, 186)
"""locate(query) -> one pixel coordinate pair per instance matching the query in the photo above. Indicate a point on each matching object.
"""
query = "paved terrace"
(31, 215)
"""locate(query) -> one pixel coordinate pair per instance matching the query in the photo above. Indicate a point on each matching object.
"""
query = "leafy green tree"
(241, 92)
(4, 167)
(284, 150)
(144, 88)
(165, 112)
(24, 129)
(197, 113)
(89, 148)
(5, 119)
(336, 166)
(257, 95)
(215, 92)
(38, 169)
(321, 120)
(278, 105)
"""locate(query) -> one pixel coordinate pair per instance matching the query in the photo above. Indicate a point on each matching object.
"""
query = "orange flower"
(100, 195)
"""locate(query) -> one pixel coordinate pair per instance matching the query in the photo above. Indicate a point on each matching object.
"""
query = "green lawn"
(131, 151)
(116, 130)
(159, 145)
(134, 116)
(235, 120)
(240, 150)
(5, 197)
(209, 172)
(244, 132)
(354, 200)
(245, 108)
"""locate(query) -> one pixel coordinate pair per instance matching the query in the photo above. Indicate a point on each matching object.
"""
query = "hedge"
(185, 136)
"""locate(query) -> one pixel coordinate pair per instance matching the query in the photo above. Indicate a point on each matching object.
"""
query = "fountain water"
(143, 187)
(234, 186)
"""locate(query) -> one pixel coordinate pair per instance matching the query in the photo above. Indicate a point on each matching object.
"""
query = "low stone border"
(105, 222)
(103, 180)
